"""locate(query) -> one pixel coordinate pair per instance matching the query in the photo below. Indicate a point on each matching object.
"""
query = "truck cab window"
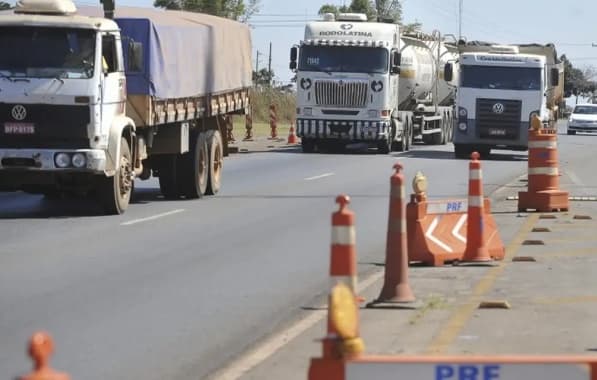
(109, 55)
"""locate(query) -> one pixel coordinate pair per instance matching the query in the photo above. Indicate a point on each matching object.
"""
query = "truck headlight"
(79, 160)
(308, 111)
(462, 112)
(62, 160)
(462, 126)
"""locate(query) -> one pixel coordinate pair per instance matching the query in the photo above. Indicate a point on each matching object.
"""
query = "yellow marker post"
(344, 318)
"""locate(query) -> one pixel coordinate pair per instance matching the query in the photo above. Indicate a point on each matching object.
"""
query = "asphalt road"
(175, 289)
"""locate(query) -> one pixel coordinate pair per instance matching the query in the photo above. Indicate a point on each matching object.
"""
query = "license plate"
(497, 132)
(19, 128)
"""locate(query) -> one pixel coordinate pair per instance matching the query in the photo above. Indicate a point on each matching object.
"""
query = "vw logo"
(498, 108)
(346, 26)
(19, 112)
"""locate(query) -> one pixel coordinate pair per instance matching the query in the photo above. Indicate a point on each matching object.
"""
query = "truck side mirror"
(135, 57)
(555, 77)
(396, 60)
(448, 72)
(293, 57)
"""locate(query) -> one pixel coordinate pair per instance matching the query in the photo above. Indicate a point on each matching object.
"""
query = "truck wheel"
(461, 151)
(216, 162)
(444, 133)
(410, 137)
(115, 192)
(193, 169)
(450, 129)
(571, 132)
(167, 171)
(308, 145)
(402, 145)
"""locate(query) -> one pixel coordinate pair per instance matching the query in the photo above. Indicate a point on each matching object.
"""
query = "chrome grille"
(503, 125)
(341, 93)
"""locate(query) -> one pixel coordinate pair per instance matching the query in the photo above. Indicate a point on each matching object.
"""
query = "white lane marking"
(255, 357)
(429, 235)
(575, 179)
(456, 230)
(319, 176)
(154, 217)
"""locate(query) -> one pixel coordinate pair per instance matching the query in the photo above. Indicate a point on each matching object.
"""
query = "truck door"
(113, 80)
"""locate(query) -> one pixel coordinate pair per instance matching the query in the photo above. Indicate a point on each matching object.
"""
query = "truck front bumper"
(44, 160)
(348, 130)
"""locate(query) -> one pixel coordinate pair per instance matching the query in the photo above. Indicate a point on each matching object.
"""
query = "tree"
(263, 77)
(234, 9)
(356, 6)
(380, 10)
(577, 81)
(389, 10)
(4, 6)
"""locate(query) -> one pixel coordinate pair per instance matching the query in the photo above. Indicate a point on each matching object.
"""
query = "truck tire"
(216, 162)
(402, 145)
(167, 171)
(385, 146)
(115, 192)
(444, 134)
(193, 168)
(410, 137)
(308, 145)
(461, 151)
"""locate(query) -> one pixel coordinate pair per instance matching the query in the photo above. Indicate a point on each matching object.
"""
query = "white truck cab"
(347, 83)
(62, 102)
(500, 88)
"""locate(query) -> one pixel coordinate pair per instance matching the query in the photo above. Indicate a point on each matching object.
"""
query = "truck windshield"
(349, 59)
(501, 78)
(47, 52)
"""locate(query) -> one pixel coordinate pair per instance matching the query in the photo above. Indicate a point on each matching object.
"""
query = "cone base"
(543, 201)
(479, 255)
(401, 294)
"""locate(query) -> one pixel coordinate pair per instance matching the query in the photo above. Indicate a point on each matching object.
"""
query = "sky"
(572, 27)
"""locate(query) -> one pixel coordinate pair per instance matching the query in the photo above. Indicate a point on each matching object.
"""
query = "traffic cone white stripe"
(543, 171)
(475, 174)
(543, 144)
(475, 200)
(343, 235)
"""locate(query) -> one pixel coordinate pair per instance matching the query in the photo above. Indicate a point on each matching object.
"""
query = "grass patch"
(433, 302)
(261, 99)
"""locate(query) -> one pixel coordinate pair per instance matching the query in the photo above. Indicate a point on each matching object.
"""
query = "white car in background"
(583, 119)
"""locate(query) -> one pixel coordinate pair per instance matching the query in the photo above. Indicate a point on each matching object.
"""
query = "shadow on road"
(449, 155)
(19, 205)
(27, 206)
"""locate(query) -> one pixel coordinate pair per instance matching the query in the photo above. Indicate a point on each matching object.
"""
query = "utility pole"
(257, 62)
(459, 20)
(269, 66)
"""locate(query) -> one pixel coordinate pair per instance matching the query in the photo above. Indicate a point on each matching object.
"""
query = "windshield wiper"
(59, 76)
(7, 77)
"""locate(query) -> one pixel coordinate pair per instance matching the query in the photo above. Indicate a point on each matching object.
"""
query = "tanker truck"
(363, 82)
(90, 103)
(500, 88)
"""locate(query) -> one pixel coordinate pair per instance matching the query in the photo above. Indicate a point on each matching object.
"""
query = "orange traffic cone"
(476, 247)
(41, 347)
(544, 194)
(396, 288)
(343, 262)
(292, 139)
(273, 122)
